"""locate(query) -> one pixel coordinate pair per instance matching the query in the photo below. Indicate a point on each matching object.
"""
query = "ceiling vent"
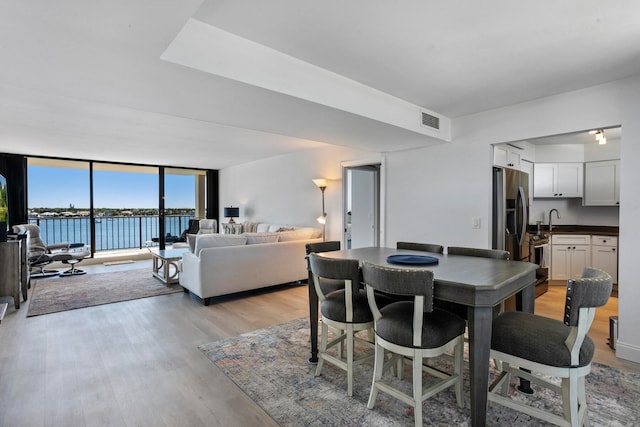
(430, 121)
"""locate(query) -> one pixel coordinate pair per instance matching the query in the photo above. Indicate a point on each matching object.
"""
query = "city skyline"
(59, 188)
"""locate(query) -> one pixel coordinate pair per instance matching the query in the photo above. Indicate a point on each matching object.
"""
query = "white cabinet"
(570, 254)
(604, 254)
(602, 183)
(527, 166)
(506, 156)
(558, 180)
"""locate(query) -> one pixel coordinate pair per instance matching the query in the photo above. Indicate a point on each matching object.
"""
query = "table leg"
(313, 319)
(479, 321)
(525, 301)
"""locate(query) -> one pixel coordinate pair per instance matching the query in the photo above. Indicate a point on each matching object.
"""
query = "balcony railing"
(112, 232)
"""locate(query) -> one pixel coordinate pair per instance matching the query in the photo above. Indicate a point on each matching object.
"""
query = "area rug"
(271, 366)
(55, 294)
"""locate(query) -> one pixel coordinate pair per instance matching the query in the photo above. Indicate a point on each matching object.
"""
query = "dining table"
(478, 283)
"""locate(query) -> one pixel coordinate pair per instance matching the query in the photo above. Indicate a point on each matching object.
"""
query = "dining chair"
(459, 309)
(425, 247)
(552, 348)
(412, 329)
(327, 285)
(478, 252)
(345, 310)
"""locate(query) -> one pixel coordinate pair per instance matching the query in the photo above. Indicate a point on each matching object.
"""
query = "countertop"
(578, 229)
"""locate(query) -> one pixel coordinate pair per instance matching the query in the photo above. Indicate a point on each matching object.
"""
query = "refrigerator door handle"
(523, 202)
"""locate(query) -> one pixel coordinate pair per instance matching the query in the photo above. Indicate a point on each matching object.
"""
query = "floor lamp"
(321, 183)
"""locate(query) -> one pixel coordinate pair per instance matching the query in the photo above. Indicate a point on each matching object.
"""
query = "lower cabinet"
(604, 254)
(570, 254)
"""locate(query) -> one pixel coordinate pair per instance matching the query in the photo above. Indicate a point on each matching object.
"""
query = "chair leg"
(570, 399)
(417, 389)
(323, 348)
(349, 360)
(377, 375)
(457, 370)
(582, 402)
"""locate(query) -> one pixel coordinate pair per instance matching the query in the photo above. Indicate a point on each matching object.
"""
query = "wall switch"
(475, 223)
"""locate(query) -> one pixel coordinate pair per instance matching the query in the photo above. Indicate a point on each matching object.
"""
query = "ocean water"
(111, 232)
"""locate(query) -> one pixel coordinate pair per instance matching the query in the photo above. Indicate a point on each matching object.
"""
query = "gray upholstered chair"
(412, 329)
(425, 247)
(207, 226)
(552, 348)
(478, 252)
(345, 310)
(39, 253)
(327, 285)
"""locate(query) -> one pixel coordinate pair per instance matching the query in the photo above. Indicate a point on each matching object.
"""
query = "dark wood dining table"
(478, 283)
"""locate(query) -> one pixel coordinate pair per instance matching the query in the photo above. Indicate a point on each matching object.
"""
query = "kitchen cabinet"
(570, 254)
(506, 156)
(558, 180)
(602, 183)
(604, 254)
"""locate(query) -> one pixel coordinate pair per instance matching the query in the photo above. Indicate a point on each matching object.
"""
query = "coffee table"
(164, 260)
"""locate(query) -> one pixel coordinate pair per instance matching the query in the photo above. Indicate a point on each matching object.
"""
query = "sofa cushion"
(298, 234)
(257, 238)
(204, 241)
(191, 240)
(262, 228)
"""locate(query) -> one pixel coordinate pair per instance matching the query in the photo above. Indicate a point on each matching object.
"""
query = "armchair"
(38, 252)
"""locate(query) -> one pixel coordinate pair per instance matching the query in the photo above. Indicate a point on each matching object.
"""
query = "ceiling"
(210, 84)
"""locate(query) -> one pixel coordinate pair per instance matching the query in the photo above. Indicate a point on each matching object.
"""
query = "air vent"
(430, 121)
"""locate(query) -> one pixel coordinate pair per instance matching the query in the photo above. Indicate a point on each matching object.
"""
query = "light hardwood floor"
(136, 363)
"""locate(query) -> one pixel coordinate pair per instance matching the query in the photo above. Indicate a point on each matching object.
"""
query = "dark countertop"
(578, 229)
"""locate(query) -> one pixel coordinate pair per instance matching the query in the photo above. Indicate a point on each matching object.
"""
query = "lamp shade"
(320, 182)
(231, 212)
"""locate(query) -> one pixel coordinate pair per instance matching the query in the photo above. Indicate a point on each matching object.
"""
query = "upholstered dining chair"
(459, 309)
(552, 348)
(327, 285)
(39, 253)
(425, 247)
(412, 329)
(478, 252)
(345, 310)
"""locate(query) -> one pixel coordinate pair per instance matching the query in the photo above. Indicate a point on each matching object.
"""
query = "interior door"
(362, 216)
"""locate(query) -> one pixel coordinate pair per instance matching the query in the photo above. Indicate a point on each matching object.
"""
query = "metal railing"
(112, 232)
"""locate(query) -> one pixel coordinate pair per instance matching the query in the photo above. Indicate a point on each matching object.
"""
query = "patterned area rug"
(271, 366)
(55, 294)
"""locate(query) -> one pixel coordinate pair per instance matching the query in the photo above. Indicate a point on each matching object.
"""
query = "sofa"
(222, 264)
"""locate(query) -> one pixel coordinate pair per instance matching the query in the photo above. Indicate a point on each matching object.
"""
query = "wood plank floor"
(136, 363)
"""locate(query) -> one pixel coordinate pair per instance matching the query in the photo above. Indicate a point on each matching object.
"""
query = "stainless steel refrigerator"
(511, 212)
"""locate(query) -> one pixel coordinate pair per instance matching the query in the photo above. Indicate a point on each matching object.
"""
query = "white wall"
(280, 189)
(434, 193)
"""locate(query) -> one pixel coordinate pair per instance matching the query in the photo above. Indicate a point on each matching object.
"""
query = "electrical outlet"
(476, 223)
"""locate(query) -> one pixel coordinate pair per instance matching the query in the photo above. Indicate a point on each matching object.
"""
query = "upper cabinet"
(511, 155)
(602, 183)
(558, 180)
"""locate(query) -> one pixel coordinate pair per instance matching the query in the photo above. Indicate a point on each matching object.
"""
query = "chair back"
(592, 290)
(34, 242)
(425, 247)
(400, 281)
(336, 269)
(333, 245)
(207, 226)
(478, 252)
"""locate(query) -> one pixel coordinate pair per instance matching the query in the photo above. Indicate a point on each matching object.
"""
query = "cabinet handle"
(613, 250)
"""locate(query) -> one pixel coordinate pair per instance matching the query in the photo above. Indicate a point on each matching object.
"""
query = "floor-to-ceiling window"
(58, 197)
(110, 206)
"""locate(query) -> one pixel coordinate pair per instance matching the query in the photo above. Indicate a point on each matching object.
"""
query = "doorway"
(362, 200)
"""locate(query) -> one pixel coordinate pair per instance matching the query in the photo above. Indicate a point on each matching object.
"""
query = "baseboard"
(627, 351)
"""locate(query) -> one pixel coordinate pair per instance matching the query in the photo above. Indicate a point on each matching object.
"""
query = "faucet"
(550, 223)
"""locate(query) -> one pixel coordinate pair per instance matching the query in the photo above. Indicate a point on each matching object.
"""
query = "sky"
(50, 187)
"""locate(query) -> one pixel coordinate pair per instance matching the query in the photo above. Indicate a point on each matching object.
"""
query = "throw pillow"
(258, 238)
(300, 234)
(204, 241)
(281, 229)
